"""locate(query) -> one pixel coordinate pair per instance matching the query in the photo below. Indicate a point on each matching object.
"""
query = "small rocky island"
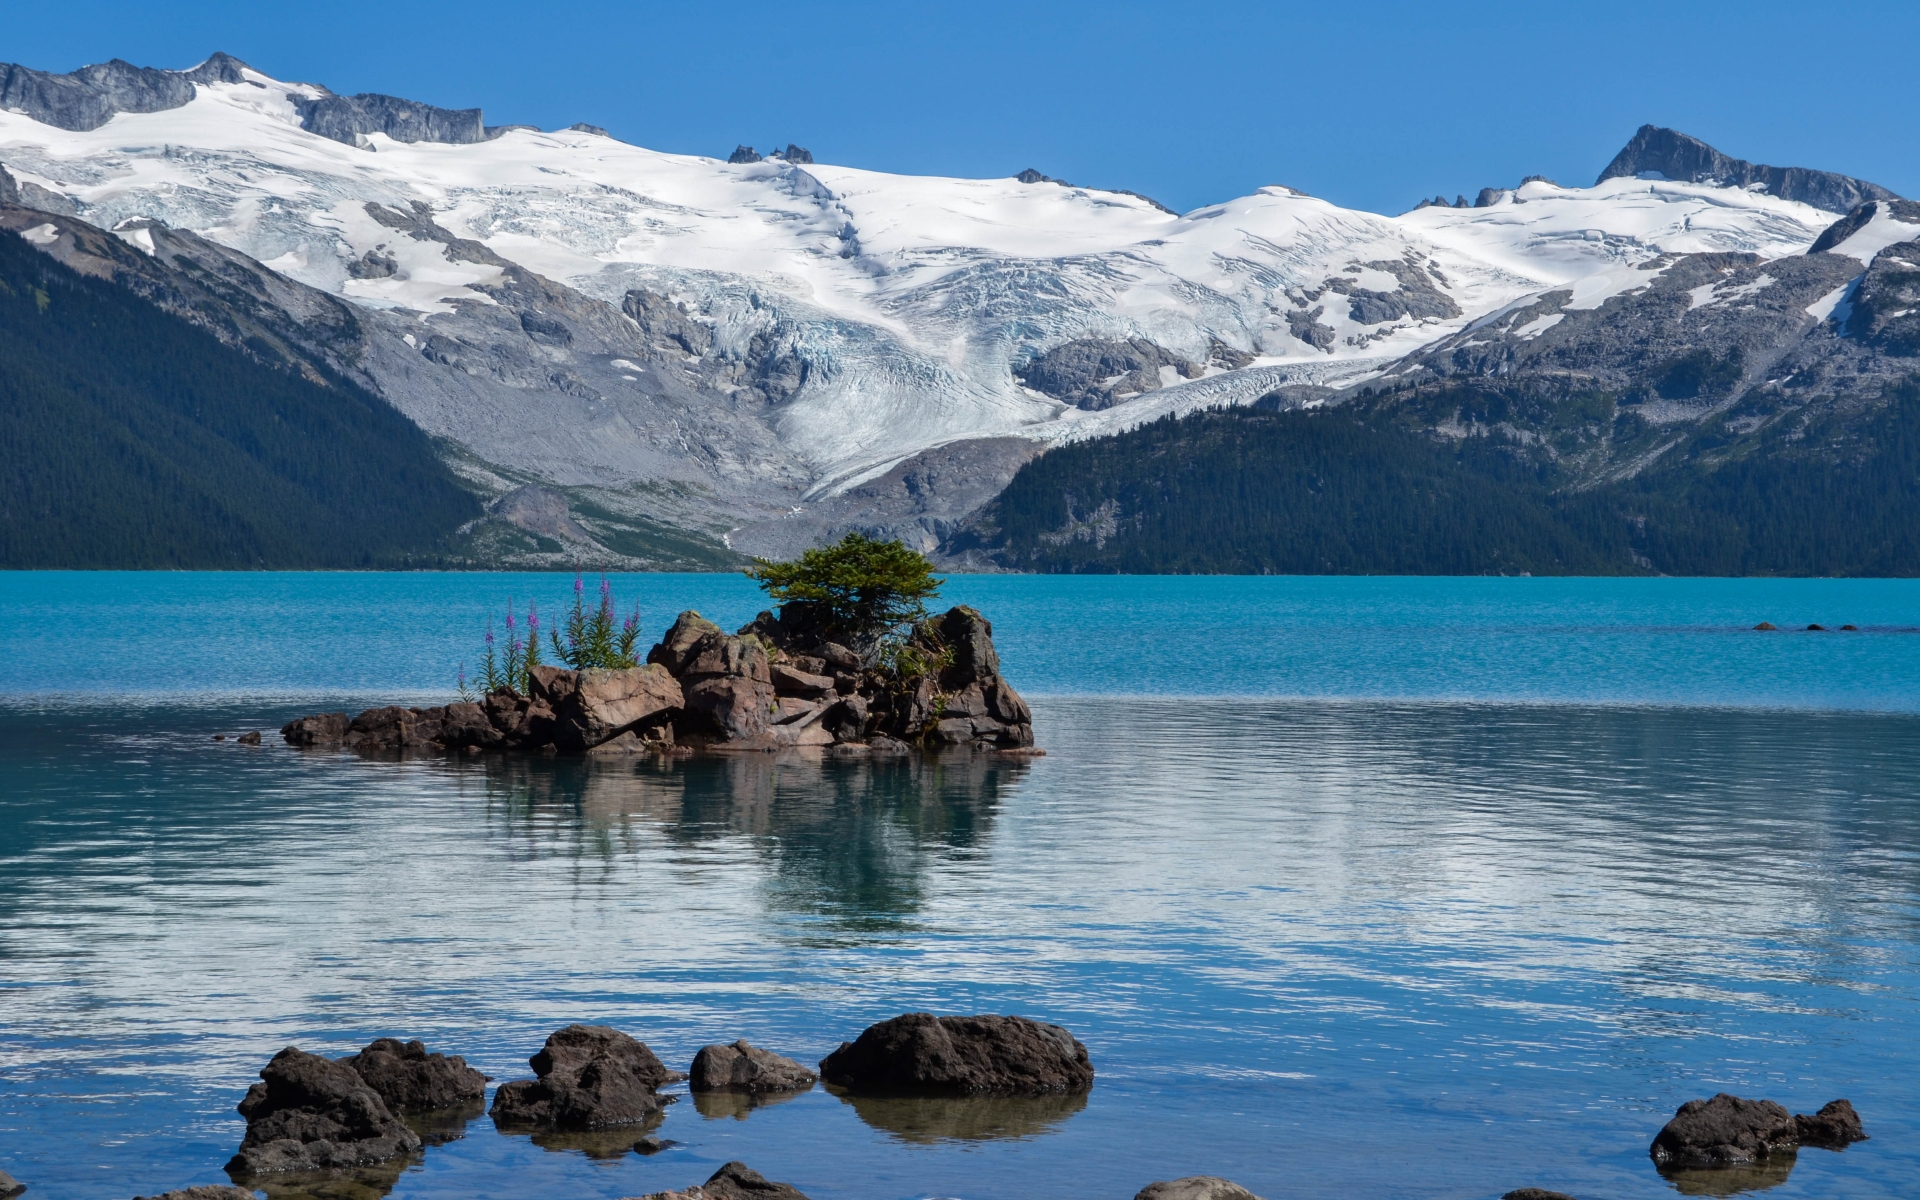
(850, 662)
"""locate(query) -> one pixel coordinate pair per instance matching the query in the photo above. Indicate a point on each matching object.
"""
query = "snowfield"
(909, 302)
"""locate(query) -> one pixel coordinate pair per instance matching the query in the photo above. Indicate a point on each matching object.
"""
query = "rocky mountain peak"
(1670, 154)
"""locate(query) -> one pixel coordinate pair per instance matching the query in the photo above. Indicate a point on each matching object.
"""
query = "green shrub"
(858, 589)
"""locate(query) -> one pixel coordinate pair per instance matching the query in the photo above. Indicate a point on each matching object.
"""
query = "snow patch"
(1836, 305)
(42, 235)
(1876, 235)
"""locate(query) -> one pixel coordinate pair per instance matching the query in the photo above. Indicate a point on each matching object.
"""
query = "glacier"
(825, 326)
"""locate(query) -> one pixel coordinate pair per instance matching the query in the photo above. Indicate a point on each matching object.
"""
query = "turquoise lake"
(1425, 888)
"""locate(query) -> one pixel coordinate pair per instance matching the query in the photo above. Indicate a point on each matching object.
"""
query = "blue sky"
(1371, 105)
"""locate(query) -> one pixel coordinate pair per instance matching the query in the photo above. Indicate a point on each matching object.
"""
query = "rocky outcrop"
(920, 1054)
(1727, 1131)
(11, 1187)
(351, 118)
(310, 1113)
(1836, 1125)
(1533, 1193)
(1195, 1187)
(742, 155)
(1097, 373)
(204, 1191)
(587, 1077)
(1671, 154)
(735, 1181)
(410, 1080)
(780, 682)
(748, 1069)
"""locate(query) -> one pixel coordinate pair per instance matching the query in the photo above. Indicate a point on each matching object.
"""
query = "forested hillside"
(1369, 487)
(129, 439)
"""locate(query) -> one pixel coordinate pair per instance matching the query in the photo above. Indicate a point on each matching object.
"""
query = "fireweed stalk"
(593, 638)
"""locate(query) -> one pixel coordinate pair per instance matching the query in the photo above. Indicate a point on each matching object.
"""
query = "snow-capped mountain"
(745, 347)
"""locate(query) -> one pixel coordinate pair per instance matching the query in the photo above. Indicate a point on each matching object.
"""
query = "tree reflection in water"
(848, 841)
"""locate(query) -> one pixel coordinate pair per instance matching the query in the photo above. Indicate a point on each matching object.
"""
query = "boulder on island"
(588, 1077)
(311, 1113)
(1722, 1131)
(1195, 1187)
(741, 1067)
(919, 1054)
(411, 1080)
(735, 1181)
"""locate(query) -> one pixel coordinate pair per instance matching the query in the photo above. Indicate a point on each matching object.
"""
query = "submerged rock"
(741, 1067)
(410, 1080)
(204, 1191)
(1724, 1130)
(310, 1113)
(921, 1054)
(1532, 1193)
(1195, 1187)
(588, 1077)
(735, 1181)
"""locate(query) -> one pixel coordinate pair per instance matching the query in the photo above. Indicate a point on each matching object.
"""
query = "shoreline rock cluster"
(310, 1114)
(770, 686)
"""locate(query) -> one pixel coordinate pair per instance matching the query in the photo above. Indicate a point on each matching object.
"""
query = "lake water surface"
(1353, 888)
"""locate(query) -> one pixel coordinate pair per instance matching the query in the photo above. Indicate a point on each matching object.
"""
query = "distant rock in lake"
(745, 1068)
(588, 1077)
(735, 1181)
(919, 1054)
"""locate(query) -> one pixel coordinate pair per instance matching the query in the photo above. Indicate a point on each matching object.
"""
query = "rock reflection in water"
(444, 1125)
(1769, 1172)
(851, 841)
(357, 1183)
(717, 1106)
(964, 1118)
(594, 1143)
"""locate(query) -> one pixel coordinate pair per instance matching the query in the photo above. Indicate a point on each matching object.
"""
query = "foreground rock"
(775, 684)
(410, 1080)
(1535, 1194)
(11, 1187)
(205, 1191)
(1727, 1130)
(745, 1068)
(920, 1054)
(735, 1181)
(310, 1113)
(1195, 1187)
(589, 1077)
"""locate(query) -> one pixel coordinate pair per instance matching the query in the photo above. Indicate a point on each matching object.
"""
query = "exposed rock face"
(924, 1055)
(9, 187)
(410, 1080)
(741, 1067)
(89, 97)
(1195, 1187)
(1834, 1126)
(797, 154)
(588, 1077)
(729, 690)
(313, 1114)
(348, 118)
(1723, 1131)
(595, 706)
(668, 325)
(1095, 373)
(1674, 155)
(11, 1187)
(735, 1181)
(743, 154)
(541, 512)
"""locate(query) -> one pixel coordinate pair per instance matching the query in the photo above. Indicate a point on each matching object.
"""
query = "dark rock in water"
(735, 1181)
(11, 1187)
(313, 1114)
(743, 154)
(1834, 1126)
(741, 1067)
(921, 1054)
(1765, 627)
(411, 1080)
(249, 738)
(204, 1191)
(1850, 629)
(589, 1077)
(1535, 1194)
(652, 1145)
(323, 729)
(1195, 1187)
(1724, 1130)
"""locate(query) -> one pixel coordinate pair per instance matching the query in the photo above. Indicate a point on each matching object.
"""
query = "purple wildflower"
(579, 584)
